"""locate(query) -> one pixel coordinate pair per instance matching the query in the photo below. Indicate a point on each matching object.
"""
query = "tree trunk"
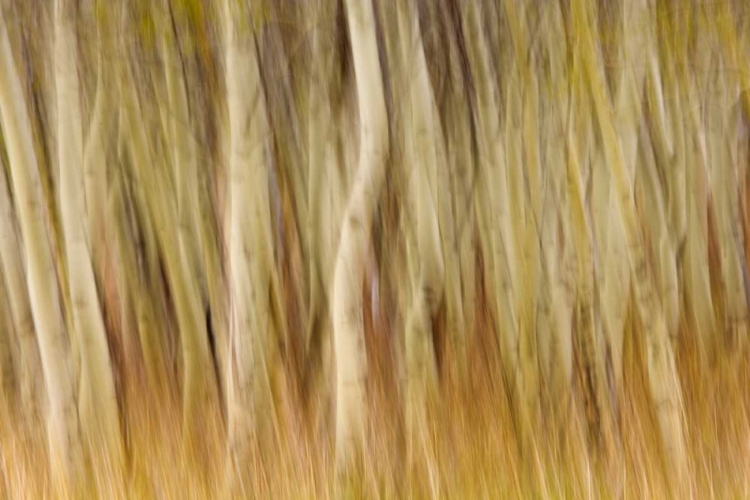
(250, 402)
(8, 353)
(11, 257)
(660, 363)
(421, 127)
(199, 389)
(324, 208)
(54, 346)
(97, 400)
(348, 323)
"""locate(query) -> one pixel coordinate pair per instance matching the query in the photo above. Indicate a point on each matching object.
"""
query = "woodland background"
(369, 248)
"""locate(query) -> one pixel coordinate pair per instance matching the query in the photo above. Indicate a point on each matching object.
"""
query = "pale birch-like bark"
(8, 358)
(136, 282)
(700, 300)
(460, 164)
(54, 346)
(449, 217)
(97, 399)
(180, 133)
(660, 363)
(554, 330)
(101, 125)
(348, 323)
(593, 373)
(421, 129)
(450, 188)
(493, 210)
(653, 216)
(199, 389)
(671, 193)
(31, 387)
(324, 207)
(250, 404)
(455, 195)
(525, 177)
(94, 159)
(611, 235)
(523, 268)
(722, 124)
(669, 130)
(704, 297)
(671, 137)
(194, 229)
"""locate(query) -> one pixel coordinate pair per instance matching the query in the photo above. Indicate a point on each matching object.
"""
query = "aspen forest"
(436, 249)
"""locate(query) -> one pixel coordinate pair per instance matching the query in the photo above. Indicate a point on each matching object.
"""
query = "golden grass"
(472, 450)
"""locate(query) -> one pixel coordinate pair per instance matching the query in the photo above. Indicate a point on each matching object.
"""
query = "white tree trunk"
(660, 363)
(97, 399)
(11, 257)
(250, 402)
(101, 125)
(349, 342)
(54, 346)
(422, 138)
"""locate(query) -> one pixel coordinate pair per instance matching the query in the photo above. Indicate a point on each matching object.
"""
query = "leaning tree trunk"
(97, 400)
(698, 293)
(348, 322)
(101, 126)
(54, 346)
(324, 188)
(250, 403)
(661, 136)
(496, 232)
(428, 271)
(555, 327)
(592, 372)
(199, 389)
(8, 353)
(11, 259)
(179, 132)
(660, 363)
(722, 136)
(526, 177)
